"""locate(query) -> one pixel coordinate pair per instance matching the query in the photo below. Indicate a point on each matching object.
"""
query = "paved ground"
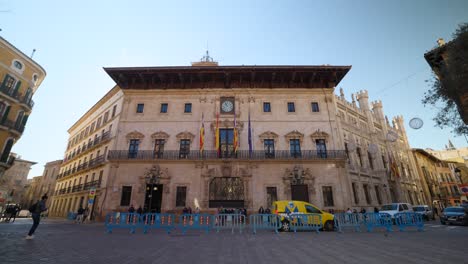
(58, 241)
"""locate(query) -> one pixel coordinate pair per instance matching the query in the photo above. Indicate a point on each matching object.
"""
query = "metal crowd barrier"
(196, 221)
(230, 222)
(343, 220)
(71, 216)
(408, 219)
(158, 221)
(372, 220)
(306, 222)
(265, 222)
(122, 220)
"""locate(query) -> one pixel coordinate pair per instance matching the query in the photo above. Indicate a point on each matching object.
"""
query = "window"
(8, 83)
(327, 196)
(140, 108)
(18, 65)
(184, 148)
(188, 108)
(92, 128)
(315, 107)
(358, 151)
(114, 109)
(266, 107)
(295, 148)
(271, 196)
(312, 210)
(98, 123)
(133, 148)
(384, 161)
(100, 176)
(159, 148)
(181, 196)
(321, 148)
(126, 195)
(371, 162)
(291, 108)
(366, 192)
(269, 145)
(355, 193)
(377, 193)
(163, 108)
(106, 117)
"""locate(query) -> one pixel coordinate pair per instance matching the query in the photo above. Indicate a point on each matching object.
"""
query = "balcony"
(214, 155)
(85, 166)
(12, 125)
(88, 146)
(23, 99)
(79, 187)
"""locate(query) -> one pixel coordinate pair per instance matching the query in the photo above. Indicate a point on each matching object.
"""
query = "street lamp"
(152, 178)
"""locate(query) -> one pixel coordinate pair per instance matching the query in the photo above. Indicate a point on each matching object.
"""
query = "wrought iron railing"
(215, 155)
(12, 125)
(87, 165)
(88, 146)
(79, 187)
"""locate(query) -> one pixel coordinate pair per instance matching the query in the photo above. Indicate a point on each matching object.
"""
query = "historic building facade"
(14, 180)
(234, 136)
(20, 79)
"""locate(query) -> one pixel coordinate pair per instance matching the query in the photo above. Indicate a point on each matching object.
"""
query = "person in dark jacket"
(140, 210)
(39, 207)
(131, 209)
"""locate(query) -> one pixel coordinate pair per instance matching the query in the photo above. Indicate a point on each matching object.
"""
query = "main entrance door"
(300, 192)
(227, 192)
(153, 198)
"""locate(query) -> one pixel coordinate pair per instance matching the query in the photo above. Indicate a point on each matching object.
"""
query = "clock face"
(227, 106)
(416, 123)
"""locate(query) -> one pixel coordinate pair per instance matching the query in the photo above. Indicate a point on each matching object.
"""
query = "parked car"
(395, 208)
(425, 210)
(287, 208)
(454, 215)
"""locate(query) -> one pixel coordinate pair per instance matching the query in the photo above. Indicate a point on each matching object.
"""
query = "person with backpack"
(79, 215)
(36, 210)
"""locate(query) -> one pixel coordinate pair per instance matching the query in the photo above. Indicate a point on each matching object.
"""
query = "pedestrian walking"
(267, 211)
(36, 210)
(140, 210)
(261, 210)
(85, 214)
(79, 215)
(349, 211)
(131, 209)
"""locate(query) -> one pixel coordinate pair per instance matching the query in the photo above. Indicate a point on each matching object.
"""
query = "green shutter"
(5, 115)
(25, 119)
(5, 81)
(18, 84)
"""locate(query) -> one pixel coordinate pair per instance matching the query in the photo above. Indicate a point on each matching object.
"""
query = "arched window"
(18, 65)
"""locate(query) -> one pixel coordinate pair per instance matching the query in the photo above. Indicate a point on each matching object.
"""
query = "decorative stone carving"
(298, 175)
(185, 135)
(319, 135)
(160, 135)
(268, 135)
(135, 135)
(294, 135)
(227, 124)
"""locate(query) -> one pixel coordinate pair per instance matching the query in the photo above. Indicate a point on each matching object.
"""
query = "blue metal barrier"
(372, 220)
(265, 221)
(196, 221)
(122, 220)
(343, 220)
(306, 222)
(408, 219)
(229, 222)
(71, 216)
(158, 221)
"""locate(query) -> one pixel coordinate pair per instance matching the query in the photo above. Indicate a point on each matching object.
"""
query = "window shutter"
(25, 119)
(18, 84)
(5, 81)
(6, 113)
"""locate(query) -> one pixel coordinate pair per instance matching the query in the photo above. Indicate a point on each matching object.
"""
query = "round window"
(18, 65)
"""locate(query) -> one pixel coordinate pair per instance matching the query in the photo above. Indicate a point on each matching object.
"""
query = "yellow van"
(287, 207)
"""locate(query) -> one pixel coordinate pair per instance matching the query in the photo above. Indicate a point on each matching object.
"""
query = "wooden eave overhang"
(229, 77)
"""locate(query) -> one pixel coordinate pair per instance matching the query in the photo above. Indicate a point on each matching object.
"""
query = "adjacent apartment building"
(20, 77)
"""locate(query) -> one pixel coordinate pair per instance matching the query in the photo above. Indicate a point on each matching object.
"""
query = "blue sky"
(384, 41)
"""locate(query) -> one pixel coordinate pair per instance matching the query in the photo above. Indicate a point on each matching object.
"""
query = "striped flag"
(250, 137)
(202, 135)
(236, 136)
(217, 134)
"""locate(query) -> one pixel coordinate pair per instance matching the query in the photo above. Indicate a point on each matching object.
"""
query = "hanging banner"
(92, 194)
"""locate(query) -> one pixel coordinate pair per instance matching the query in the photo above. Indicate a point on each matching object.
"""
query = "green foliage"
(453, 82)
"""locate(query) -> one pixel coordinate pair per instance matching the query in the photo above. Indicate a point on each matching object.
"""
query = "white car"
(395, 208)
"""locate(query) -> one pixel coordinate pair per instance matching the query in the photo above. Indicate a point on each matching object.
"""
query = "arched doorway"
(227, 192)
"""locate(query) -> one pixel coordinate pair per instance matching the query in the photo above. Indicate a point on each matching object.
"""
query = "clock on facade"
(227, 105)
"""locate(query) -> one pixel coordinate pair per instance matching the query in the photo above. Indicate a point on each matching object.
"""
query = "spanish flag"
(202, 135)
(217, 134)
(236, 136)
